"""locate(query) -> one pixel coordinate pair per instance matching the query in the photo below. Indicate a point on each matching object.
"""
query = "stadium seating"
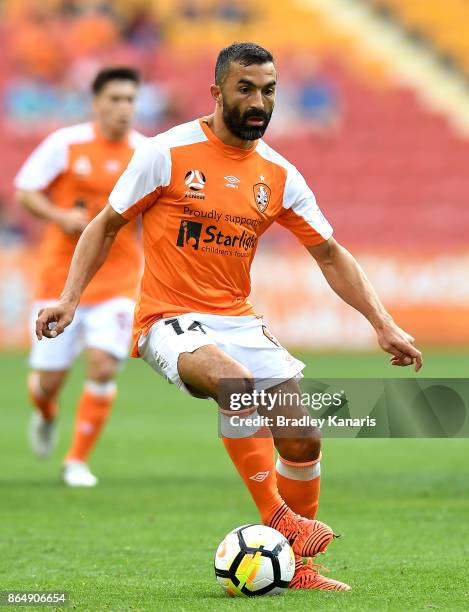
(445, 23)
(390, 175)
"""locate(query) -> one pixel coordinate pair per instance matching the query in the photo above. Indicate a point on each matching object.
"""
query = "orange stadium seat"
(445, 23)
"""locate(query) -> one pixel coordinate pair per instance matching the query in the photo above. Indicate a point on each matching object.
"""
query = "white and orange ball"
(254, 560)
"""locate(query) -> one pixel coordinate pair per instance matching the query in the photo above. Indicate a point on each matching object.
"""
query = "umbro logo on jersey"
(232, 181)
(262, 195)
(113, 166)
(260, 476)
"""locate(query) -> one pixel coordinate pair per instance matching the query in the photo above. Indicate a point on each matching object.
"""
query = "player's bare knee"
(233, 386)
(51, 381)
(102, 369)
(240, 378)
(301, 449)
(211, 371)
(102, 374)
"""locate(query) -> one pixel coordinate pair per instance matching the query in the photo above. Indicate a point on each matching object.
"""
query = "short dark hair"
(113, 73)
(245, 53)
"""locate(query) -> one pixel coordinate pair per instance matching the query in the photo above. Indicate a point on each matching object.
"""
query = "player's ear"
(215, 92)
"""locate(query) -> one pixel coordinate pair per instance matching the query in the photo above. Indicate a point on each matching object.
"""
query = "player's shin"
(43, 402)
(299, 485)
(93, 411)
(251, 448)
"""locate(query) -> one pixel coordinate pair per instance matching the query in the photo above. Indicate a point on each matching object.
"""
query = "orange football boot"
(307, 537)
(307, 576)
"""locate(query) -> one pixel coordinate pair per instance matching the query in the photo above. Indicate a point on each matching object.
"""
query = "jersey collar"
(111, 143)
(228, 150)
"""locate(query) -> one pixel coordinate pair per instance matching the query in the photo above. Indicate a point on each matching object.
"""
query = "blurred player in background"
(66, 181)
(207, 190)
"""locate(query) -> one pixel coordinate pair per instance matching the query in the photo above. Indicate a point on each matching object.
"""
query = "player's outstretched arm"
(90, 253)
(347, 279)
(70, 221)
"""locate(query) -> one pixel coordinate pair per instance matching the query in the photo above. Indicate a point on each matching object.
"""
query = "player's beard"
(237, 122)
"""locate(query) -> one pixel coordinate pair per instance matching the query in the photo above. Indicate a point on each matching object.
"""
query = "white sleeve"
(44, 164)
(300, 213)
(138, 187)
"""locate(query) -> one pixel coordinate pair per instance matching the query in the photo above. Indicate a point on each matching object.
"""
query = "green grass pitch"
(144, 539)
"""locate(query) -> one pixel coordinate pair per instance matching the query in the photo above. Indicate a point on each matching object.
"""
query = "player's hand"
(400, 344)
(72, 221)
(52, 321)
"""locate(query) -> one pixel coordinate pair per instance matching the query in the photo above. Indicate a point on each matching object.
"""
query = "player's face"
(114, 105)
(248, 95)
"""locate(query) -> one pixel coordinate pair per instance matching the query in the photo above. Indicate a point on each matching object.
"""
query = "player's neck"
(217, 125)
(110, 134)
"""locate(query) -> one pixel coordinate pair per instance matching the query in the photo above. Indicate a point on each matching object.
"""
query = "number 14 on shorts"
(195, 325)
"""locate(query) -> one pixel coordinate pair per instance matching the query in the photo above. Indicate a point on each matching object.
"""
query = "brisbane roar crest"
(262, 195)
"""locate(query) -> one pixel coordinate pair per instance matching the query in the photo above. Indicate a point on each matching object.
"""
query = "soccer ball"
(254, 560)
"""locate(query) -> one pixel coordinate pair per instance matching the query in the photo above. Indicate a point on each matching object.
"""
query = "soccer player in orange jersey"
(206, 191)
(66, 181)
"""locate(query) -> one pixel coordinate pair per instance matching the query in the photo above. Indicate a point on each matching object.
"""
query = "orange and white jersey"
(77, 166)
(205, 205)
